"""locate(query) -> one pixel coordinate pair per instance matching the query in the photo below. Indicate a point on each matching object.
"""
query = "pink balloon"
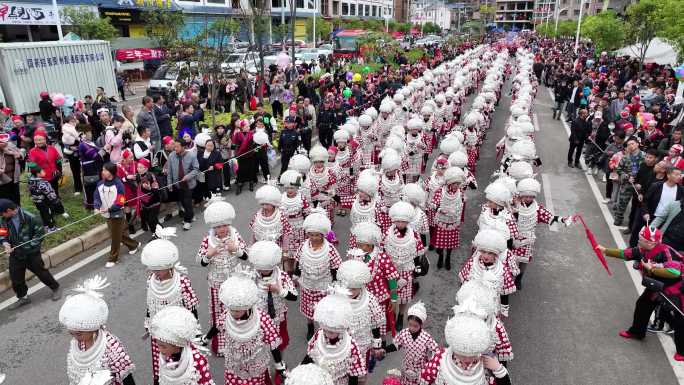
(283, 60)
(58, 100)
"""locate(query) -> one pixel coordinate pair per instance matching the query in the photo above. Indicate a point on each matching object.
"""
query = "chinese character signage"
(139, 54)
(27, 14)
(30, 63)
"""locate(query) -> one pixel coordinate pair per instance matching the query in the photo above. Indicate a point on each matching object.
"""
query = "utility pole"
(579, 24)
(59, 19)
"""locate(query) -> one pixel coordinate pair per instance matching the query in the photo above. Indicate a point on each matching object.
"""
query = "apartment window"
(352, 9)
(375, 10)
(367, 10)
(216, 1)
(345, 9)
(324, 7)
(575, 12)
(336, 7)
(300, 4)
(275, 3)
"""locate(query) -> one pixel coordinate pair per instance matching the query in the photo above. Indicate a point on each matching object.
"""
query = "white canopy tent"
(659, 52)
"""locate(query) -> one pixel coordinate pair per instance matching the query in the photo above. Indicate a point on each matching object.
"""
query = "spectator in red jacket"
(47, 158)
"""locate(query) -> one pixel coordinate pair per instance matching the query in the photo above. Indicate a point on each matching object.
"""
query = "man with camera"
(661, 270)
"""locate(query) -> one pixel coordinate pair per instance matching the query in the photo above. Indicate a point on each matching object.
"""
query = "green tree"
(88, 25)
(473, 26)
(546, 30)
(280, 31)
(163, 26)
(644, 22)
(605, 31)
(431, 27)
(403, 27)
(566, 28)
(323, 29)
(672, 13)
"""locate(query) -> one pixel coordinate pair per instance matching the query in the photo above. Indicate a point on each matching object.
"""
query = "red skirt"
(232, 379)
(346, 201)
(155, 359)
(308, 300)
(446, 238)
(405, 294)
(216, 309)
(284, 335)
(385, 221)
(390, 318)
(473, 154)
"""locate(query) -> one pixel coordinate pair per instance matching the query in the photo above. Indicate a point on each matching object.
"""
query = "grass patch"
(72, 204)
(225, 117)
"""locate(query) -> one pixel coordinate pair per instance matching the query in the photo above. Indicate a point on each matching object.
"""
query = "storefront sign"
(139, 54)
(120, 15)
(27, 14)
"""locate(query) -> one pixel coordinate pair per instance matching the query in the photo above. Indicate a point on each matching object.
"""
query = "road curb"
(68, 251)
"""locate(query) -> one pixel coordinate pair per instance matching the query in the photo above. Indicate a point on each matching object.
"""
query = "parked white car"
(428, 40)
(240, 60)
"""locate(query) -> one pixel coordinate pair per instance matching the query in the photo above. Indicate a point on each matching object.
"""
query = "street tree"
(88, 25)
(214, 53)
(605, 30)
(323, 29)
(566, 28)
(644, 22)
(431, 27)
(546, 30)
(257, 14)
(163, 26)
(672, 14)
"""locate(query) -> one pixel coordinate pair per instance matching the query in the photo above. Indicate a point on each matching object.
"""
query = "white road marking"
(665, 340)
(535, 120)
(548, 201)
(66, 271)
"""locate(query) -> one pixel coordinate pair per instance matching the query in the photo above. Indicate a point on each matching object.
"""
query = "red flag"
(594, 244)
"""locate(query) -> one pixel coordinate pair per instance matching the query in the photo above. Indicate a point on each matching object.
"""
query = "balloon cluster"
(679, 73)
(66, 103)
(356, 77)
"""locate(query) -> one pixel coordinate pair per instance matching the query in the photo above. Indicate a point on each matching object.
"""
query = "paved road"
(563, 326)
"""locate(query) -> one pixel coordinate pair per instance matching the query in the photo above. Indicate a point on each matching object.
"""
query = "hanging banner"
(139, 54)
(27, 14)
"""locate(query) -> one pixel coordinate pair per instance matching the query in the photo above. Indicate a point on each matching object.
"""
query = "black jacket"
(579, 130)
(163, 116)
(289, 141)
(213, 177)
(29, 235)
(326, 118)
(652, 197)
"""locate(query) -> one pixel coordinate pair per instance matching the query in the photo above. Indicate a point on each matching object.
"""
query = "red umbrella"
(594, 244)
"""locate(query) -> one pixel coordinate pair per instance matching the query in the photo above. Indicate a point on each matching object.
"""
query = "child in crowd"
(44, 197)
(126, 171)
(149, 196)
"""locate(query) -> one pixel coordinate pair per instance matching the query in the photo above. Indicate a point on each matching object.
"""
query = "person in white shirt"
(71, 138)
(669, 192)
(143, 147)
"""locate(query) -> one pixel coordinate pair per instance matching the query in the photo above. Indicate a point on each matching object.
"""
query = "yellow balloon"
(356, 77)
